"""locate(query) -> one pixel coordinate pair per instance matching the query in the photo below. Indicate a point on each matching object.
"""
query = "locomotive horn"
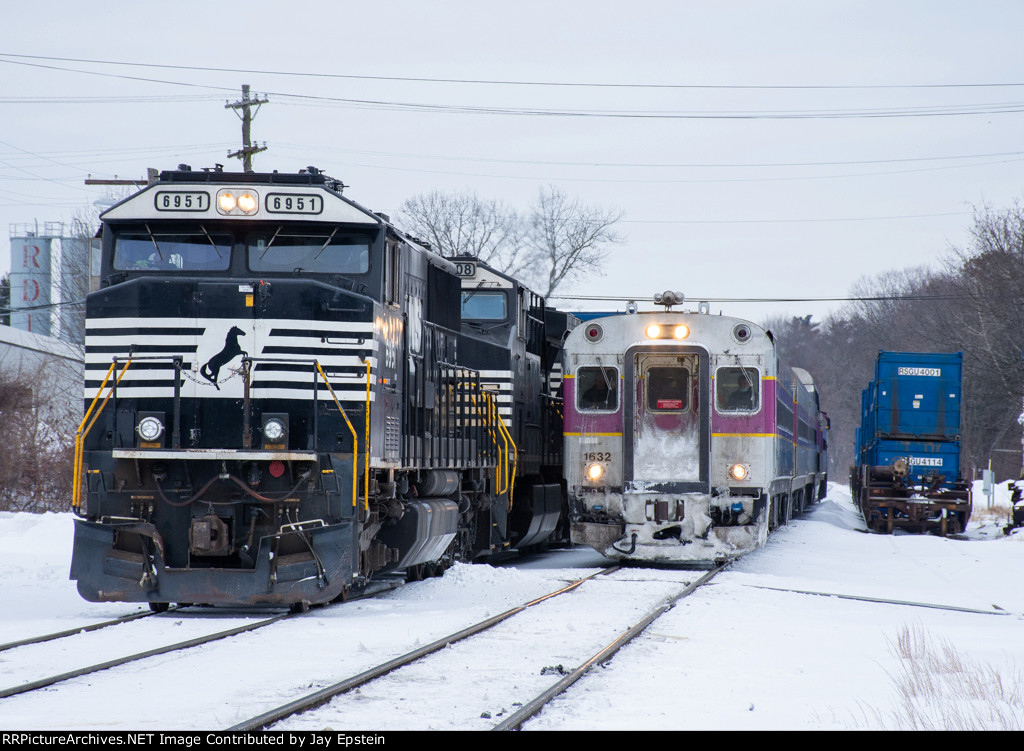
(668, 298)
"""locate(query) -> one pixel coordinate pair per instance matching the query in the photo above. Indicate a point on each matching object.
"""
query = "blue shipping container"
(916, 395)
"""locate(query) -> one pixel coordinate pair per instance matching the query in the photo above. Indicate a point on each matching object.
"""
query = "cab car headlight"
(738, 472)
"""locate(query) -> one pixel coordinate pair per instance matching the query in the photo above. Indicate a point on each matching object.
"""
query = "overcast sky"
(757, 149)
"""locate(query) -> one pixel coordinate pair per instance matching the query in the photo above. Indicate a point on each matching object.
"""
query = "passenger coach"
(686, 439)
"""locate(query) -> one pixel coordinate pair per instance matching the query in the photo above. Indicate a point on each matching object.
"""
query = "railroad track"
(180, 646)
(80, 629)
(50, 680)
(388, 672)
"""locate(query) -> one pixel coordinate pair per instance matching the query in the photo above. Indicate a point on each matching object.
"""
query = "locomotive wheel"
(159, 607)
(414, 573)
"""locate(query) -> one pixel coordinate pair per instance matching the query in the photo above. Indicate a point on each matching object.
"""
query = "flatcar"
(277, 408)
(907, 472)
(686, 439)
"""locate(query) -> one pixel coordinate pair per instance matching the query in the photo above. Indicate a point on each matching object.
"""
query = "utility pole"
(246, 104)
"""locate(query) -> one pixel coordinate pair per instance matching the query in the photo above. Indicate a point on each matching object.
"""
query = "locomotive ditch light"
(275, 431)
(150, 427)
(738, 472)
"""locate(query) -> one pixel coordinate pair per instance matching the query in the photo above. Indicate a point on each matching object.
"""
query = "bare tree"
(560, 239)
(464, 224)
(5, 299)
(569, 237)
(38, 418)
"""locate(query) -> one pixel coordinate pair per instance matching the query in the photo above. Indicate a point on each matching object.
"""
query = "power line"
(699, 298)
(506, 82)
(660, 165)
(65, 100)
(675, 181)
(42, 307)
(990, 108)
(793, 221)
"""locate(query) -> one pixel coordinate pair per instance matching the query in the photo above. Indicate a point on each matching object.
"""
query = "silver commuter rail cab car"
(686, 440)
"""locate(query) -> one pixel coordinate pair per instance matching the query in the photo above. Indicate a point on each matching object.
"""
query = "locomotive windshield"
(597, 389)
(484, 305)
(319, 252)
(181, 250)
(736, 389)
(668, 389)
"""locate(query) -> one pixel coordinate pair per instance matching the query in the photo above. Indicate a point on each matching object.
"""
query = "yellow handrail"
(510, 477)
(83, 431)
(485, 419)
(366, 473)
(507, 438)
(493, 418)
(355, 441)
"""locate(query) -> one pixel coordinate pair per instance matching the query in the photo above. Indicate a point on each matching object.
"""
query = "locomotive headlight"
(595, 471)
(653, 331)
(232, 202)
(247, 203)
(738, 472)
(681, 331)
(226, 203)
(150, 428)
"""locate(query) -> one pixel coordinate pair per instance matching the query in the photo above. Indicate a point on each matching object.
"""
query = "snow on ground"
(740, 654)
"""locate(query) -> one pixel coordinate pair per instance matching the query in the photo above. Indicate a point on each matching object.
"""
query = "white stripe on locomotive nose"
(204, 322)
(302, 394)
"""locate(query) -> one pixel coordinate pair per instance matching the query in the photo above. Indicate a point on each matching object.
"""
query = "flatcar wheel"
(159, 607)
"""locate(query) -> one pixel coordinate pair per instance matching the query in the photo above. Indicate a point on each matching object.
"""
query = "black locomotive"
(284, 399)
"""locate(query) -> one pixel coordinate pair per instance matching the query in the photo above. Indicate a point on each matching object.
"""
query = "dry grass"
(995, 514)
(938, 688)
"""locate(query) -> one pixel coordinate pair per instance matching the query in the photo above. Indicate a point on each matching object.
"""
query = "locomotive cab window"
(314, 251)
(737, 389)
(668, 389)
(597, 389)
(180, 250)
(484, 305)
